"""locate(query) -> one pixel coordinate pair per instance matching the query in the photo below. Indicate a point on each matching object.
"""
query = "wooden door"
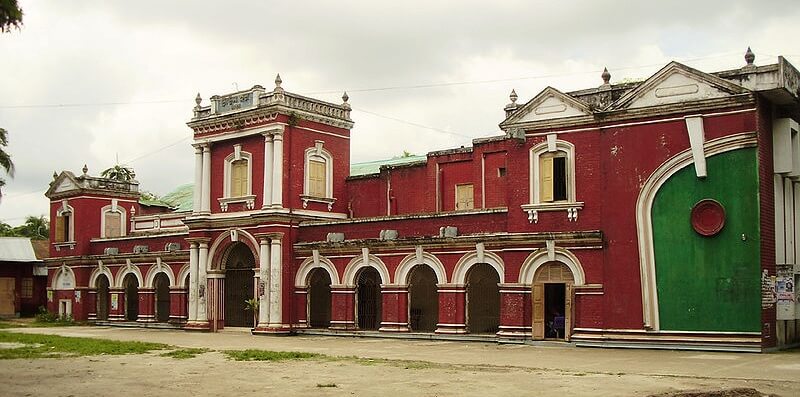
(7, 296)
(567, 311)
(538, 311)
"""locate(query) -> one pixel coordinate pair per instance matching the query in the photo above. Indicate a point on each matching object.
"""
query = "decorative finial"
(85, 169)
(198, 99)
(278, 81)
(55, 175)
(749, 57)
(345, 97)
(606, 76)
(513, 96)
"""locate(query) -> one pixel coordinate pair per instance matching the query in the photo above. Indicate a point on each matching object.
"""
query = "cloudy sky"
(90, 82)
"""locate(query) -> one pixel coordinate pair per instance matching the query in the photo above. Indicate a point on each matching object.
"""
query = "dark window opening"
(559, 178)
(554, 300)
(501, 172)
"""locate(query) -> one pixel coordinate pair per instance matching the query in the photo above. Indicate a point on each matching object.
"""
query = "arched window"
(238, 168)
(552, 179)
(64, 224)
(318, 178)
(112, 221)
(238, 185)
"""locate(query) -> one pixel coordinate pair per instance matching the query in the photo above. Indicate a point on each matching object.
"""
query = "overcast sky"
(87, 82)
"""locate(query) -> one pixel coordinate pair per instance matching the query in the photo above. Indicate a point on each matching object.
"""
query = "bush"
(44, 316)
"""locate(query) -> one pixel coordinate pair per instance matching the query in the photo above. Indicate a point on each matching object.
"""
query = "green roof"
(374, 167)
(180, 199)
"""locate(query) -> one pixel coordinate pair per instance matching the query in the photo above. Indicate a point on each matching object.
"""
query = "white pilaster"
(193, 268)
(202, 311)
(277, 170)
(263, 271)
(268, 159)
(198, 178)
(275, 267)
(206, 190)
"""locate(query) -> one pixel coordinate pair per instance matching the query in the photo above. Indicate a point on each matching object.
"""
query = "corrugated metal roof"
(373, 167)
(17, 249)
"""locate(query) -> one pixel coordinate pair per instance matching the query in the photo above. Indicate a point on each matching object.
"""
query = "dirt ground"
(411, 368)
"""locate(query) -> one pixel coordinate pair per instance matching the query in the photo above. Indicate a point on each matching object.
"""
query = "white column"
(198, 178)
(275, 267)
(268, 158)
(263, 270)
(193, 268)
(277, 170)
(205, 204)
(202, 311)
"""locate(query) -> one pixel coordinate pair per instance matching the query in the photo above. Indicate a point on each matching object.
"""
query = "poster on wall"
(114, 301)
(77, 296)
(49, 296)
(784, 289)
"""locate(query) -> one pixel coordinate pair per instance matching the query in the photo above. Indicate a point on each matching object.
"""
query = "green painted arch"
(709, 283)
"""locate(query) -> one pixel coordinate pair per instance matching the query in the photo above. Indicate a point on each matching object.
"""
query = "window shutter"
(545, 179)
(59, 229)
(317, 179)
(538, 310)
(464, 197)
(113, 224)
(239, 178)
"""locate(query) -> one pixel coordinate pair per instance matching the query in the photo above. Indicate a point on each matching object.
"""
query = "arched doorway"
(552, 301)
(319, 299)
(102, 285)
(161, 287)
(368, 299)
(483, 299)
(131, 285)
(239, 275)
(423, 305)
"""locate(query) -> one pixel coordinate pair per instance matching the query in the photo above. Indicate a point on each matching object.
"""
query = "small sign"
(77, 296)
(234, 102)
(114, 301)
(49, 296)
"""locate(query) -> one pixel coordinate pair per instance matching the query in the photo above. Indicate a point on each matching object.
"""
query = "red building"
(23, 276)
(659, 213)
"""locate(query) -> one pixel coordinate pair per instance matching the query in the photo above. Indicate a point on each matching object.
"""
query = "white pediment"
(65, 186)
(677, 83)
(547, 105)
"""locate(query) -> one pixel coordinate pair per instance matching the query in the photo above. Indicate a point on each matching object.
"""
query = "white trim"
(404, 268)
(301, 278)
(104, 270)
(123, 218)
(538, 258)
(355, 265)
(319, 154)
(66, 208)
(238, 154)
(472, 258)
(644, 207)
(227, 235)
(182, 273)
(153, 272)
(124, 271)
(659, 121)
(68, 271)
(544, 147)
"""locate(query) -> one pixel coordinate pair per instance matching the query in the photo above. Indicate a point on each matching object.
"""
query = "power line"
(373, 89)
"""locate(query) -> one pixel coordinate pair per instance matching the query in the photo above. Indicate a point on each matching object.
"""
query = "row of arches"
(482, 292)
(130, 297)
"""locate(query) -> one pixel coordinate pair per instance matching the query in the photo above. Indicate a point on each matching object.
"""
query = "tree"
(5, 158)
(119, 173)
(10, 15)
(35, 227)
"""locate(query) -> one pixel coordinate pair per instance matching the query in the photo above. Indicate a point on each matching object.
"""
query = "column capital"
(206, 146)
(267, 136)
(198, 240)
(198, 148)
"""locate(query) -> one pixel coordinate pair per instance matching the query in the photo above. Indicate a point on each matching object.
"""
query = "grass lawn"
(267, 355)
(50, 346)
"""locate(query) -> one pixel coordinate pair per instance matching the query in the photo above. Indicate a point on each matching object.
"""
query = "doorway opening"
(368, 295)
(239, 275)
(423, 305)
(319, 299)
(483, 299)
(102, 285)
(554, 318)
(131, 285)
(161, 287)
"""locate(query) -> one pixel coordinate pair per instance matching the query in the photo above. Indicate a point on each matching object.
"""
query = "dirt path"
(443, 369)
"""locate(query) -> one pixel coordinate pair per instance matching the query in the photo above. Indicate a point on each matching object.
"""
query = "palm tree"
(5, 158)
(119, 173)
